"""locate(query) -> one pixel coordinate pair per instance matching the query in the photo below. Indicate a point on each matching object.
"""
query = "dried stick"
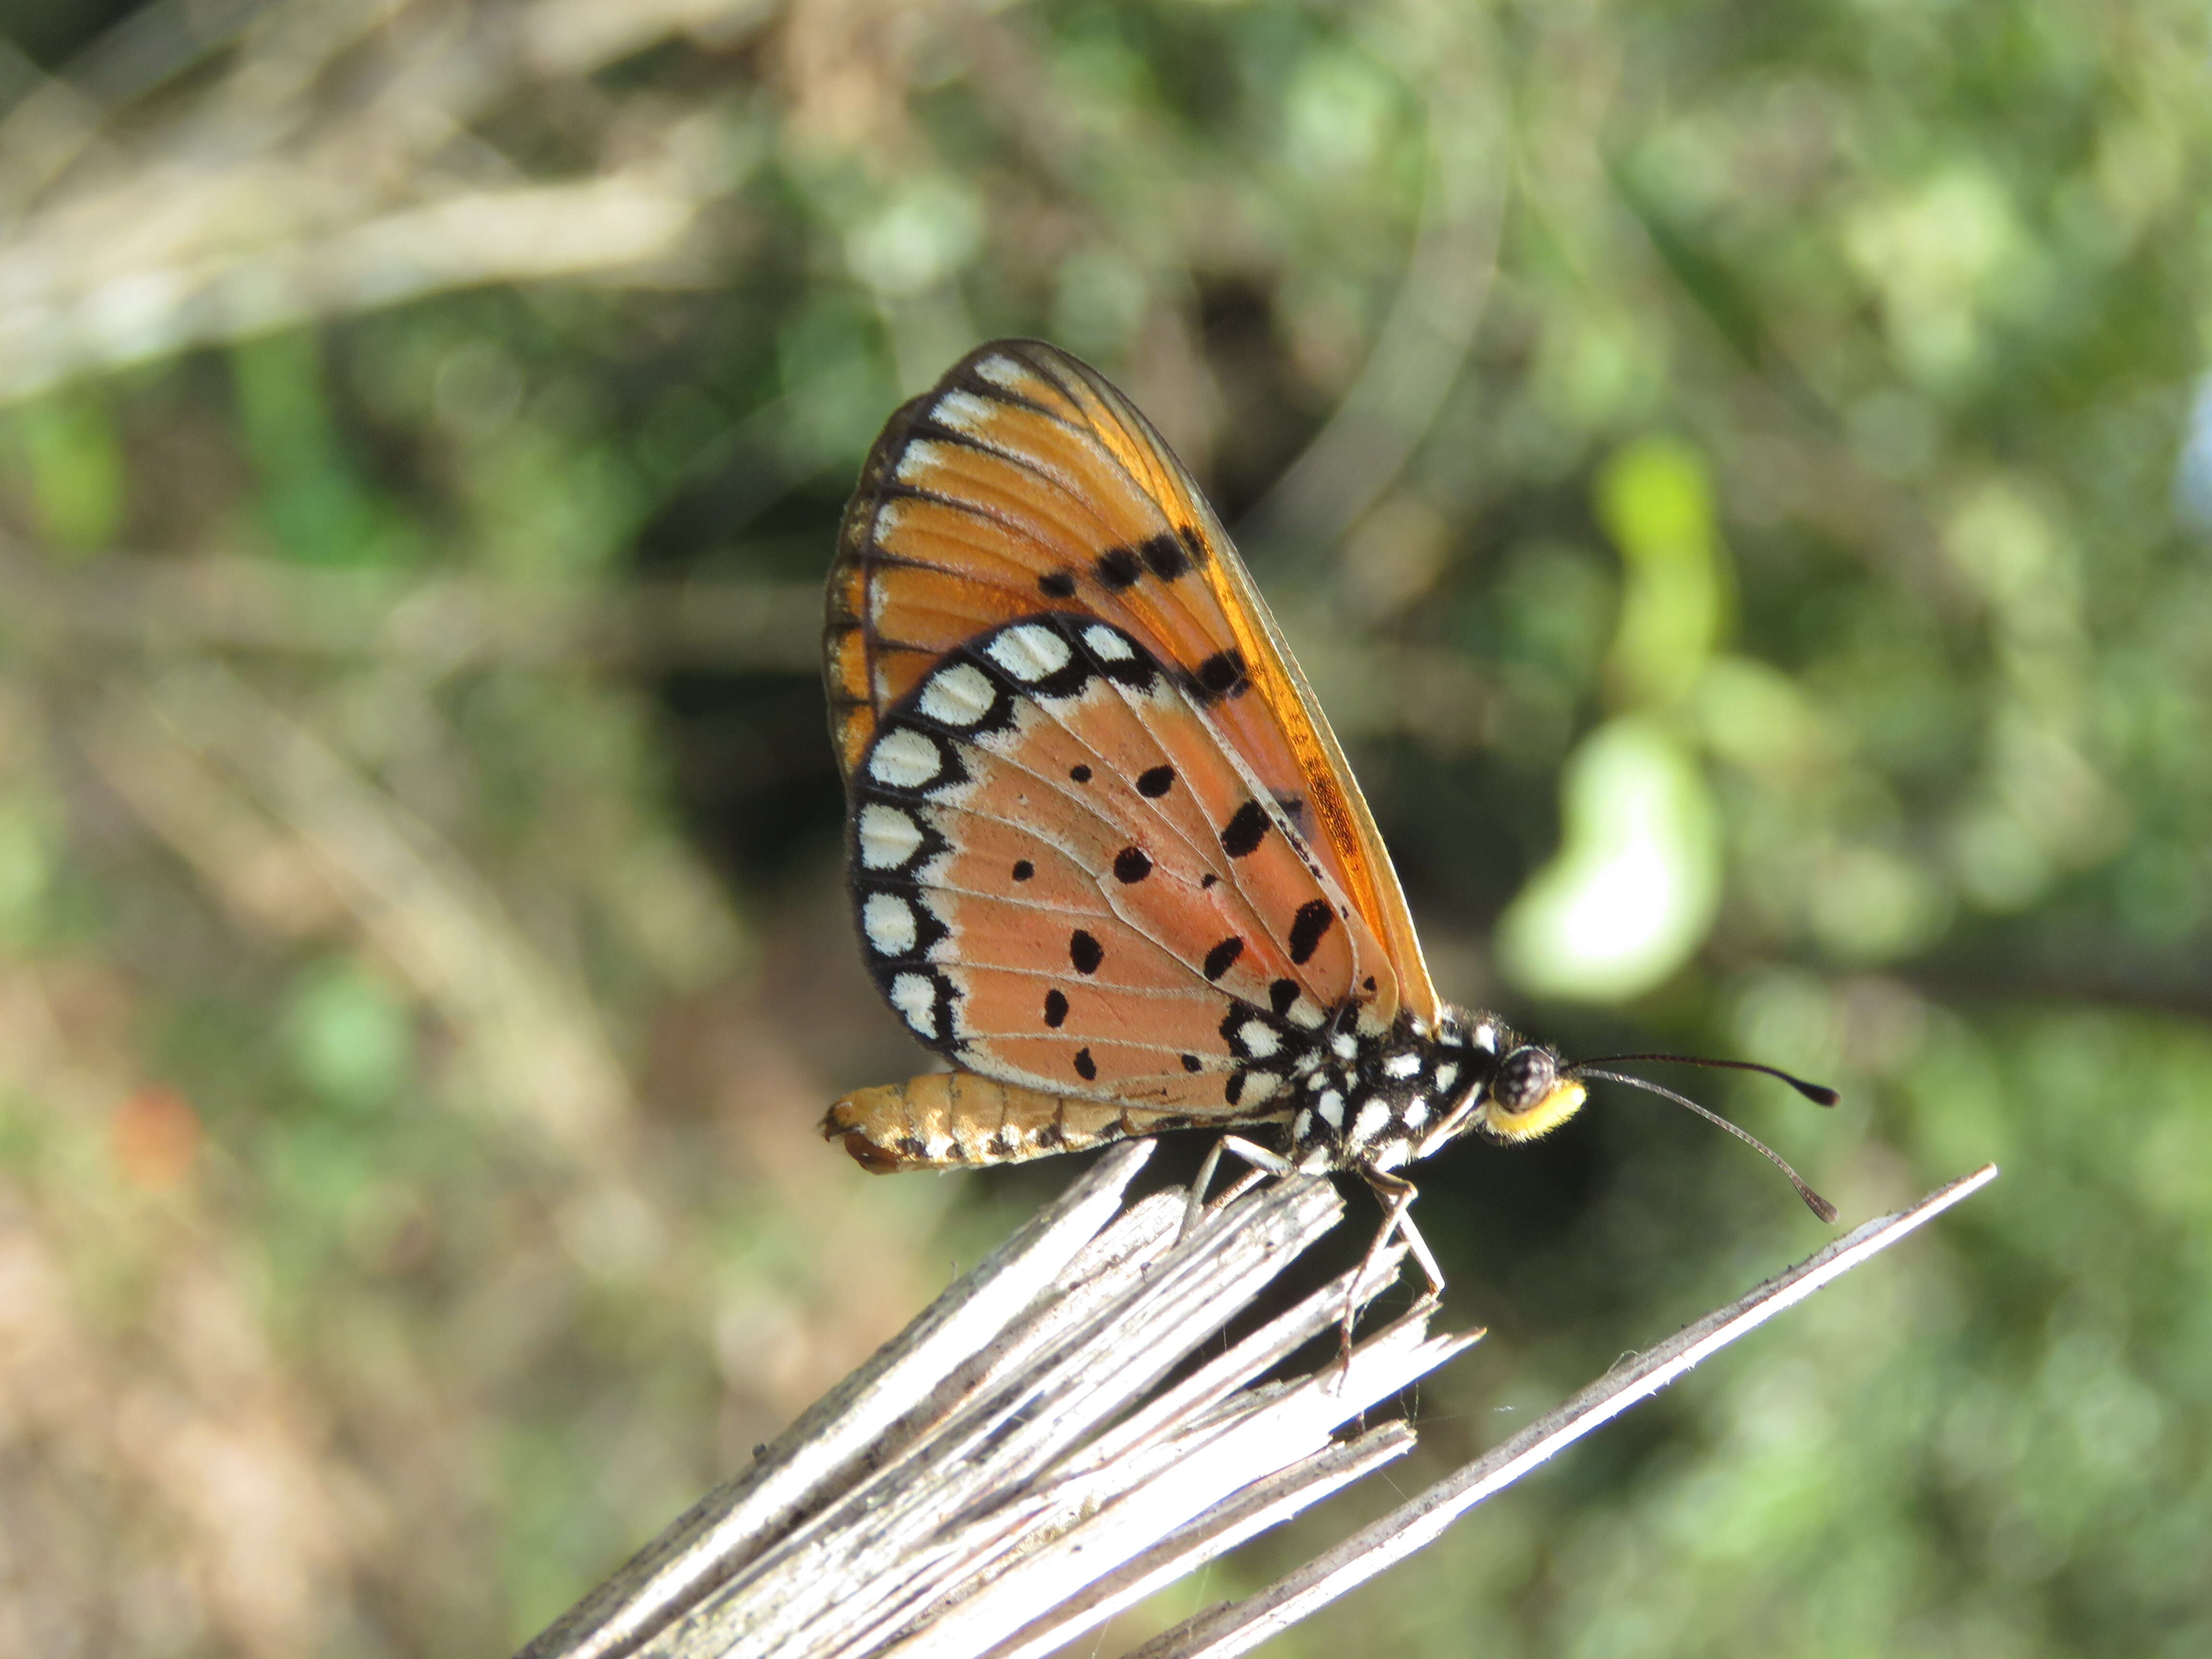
(1232, 1629)
(1007, 1474)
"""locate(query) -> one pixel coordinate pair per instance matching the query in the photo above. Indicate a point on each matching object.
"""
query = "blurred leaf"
(348, 1035)
(1637, 879)
(311, 503)
(1655, 499)
(69, 449)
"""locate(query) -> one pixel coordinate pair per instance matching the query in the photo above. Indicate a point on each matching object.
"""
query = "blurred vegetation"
(1741, 475)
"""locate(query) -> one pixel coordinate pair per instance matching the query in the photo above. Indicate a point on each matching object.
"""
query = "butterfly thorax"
(1377, 1102)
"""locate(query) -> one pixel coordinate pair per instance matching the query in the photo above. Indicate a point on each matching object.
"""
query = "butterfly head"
(1531, 1093)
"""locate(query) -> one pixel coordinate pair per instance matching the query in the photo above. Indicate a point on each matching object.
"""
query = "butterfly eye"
(1526, 1077)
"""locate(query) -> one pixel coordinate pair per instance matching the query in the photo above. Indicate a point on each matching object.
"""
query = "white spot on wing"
(1003, 371)
(905, 758)
(1374, 1118)
(958, 696)
(1030, 652)
(1260, 1042)
(889, 921)
(921, 456)
(1486, 1037)
(914, 995)
(1306, 1012)
(1106, 644)
(887, 837)
(964, 411)
(1345, 1047)
(1390, 1157)
(1447, 1074)
(1417, 1112)
(1406, 1065)
(1331, 1107)
(1258, 1086)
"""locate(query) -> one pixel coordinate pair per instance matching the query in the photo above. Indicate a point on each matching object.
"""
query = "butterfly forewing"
(1065, 881)
(1024, 482)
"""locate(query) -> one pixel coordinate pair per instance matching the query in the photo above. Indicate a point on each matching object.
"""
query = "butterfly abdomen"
(949, 1120)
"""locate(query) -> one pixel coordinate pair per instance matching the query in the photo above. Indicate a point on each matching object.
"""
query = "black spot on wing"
(1313, 920)
(1221, 675)
(1190, 1062)
(1085, 1067)
(1056, 1008)
(1131, 865)
(1169, 554)
(1156, 782)
(1223, 956)
(1246, 828)
(1057, 584)
(1118, 567)
(1080, 774)
(1281, 995)
(1023, 869)
(1085, 952)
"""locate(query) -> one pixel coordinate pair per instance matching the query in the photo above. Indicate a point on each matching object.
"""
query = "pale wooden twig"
(998, 1472)
(1224, 1631)
(1002, 1477)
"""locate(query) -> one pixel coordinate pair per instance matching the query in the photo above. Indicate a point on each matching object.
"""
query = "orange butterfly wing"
(1025, 482)
(1065, 882)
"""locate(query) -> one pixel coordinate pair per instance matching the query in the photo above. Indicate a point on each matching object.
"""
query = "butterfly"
(1105, 855)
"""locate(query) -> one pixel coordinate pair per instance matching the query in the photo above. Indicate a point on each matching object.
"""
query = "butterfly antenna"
(1818, 1093)
(1817, 1205)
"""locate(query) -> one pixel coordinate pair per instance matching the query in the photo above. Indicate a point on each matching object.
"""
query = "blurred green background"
(1740, 476)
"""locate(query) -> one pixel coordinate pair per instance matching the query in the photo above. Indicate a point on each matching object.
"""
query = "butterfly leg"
(1257, 1156)
(1397, 1194)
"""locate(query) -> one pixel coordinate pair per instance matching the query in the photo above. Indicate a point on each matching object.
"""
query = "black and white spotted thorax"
(1363, 1101)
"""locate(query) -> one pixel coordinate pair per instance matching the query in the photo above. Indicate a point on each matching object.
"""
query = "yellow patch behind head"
(1546, 1114)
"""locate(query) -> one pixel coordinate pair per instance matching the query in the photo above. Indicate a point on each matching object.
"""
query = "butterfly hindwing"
(1024, 482)
(1066, 881)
